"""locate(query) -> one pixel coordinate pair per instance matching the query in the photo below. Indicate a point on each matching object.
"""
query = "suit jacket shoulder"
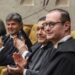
(68, 46)
(35, 47)
(61, 61)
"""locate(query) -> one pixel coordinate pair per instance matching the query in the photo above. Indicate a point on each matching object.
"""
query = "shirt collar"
(1, 48)
(11, 36)
(62, 40)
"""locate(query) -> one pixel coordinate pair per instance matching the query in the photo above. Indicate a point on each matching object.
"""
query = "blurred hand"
(20, 45)
(15, 70)
(20, 65)
(19, 60)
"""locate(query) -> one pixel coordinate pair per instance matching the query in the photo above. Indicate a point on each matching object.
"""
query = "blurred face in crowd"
(54, 27)
(41, 35)
(12, 27)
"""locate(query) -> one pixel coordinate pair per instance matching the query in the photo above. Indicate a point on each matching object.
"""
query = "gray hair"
(14, 16)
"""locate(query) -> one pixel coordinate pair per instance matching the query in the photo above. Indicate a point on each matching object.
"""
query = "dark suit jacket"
(6, 53)
(6, 57)
(36, 58)
(60, 61)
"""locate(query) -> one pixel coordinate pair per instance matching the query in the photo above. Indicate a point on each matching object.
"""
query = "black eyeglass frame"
(51, 24)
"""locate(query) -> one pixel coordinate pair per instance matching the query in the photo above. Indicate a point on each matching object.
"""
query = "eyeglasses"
(51, 24)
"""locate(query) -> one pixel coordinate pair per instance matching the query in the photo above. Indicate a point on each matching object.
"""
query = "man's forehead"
(53, 16)
(40, 22)
(53, 13)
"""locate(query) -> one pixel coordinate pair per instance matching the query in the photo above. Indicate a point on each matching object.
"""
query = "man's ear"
(67, 25)
(21, 26)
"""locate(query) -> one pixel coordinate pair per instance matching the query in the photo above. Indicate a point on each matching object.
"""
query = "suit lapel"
(68, 46)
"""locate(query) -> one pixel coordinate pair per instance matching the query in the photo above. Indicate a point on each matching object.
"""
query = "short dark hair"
(42, 18)
(2, 28)
(14, 16)
(64, 14)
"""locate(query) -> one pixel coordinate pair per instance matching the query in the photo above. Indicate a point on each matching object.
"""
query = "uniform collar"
(62, 40)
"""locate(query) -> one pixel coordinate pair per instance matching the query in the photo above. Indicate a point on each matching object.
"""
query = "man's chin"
(41, 41)
(12, 33)
(49, 37)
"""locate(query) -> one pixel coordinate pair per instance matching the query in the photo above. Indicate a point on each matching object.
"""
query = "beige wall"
(31, 10)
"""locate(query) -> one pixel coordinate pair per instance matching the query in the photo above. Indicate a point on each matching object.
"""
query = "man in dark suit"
(14, 27)
(61, 60)
(39, 51)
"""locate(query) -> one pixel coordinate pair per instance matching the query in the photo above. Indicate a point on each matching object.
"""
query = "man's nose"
(47, 27)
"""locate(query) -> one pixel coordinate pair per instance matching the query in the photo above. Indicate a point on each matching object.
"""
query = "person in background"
(14, 25)
(39, 51)
(2, 37)
(2, 29)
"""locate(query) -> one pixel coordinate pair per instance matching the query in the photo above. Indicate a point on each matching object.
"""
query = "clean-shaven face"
(54, 28)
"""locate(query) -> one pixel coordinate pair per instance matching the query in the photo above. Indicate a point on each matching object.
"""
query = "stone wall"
(32, 10)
